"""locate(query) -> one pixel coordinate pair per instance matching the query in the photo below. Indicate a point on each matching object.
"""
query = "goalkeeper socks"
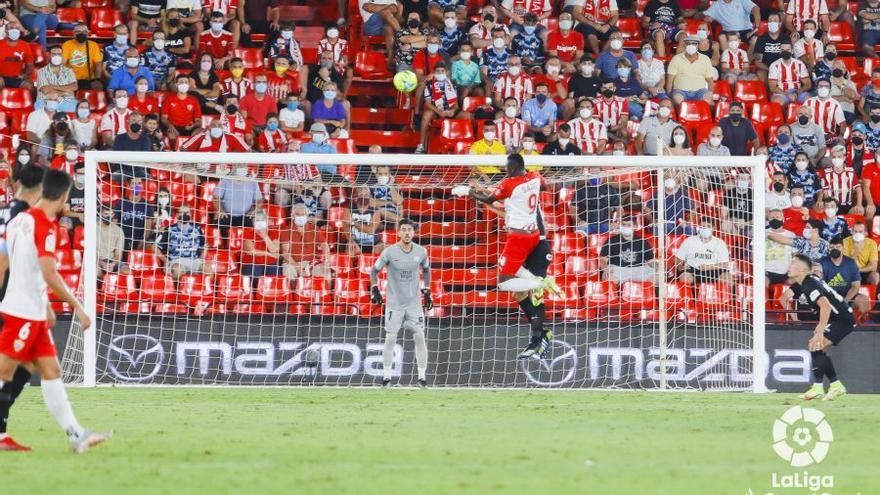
(421, 353)
(520, 285)
(819, 365)
(388, 354)
(9, 392)
(55, 397)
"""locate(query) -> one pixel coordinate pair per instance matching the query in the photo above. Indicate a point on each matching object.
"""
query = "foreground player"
(521, 193)
(26, 338)
(403, 306)
(30, 181)
(836, 321)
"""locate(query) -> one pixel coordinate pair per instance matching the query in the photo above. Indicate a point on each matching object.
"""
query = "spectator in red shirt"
(258, 105)
(425, 60)
(181, 113)
(284, 80)
(260, 248)
(272, 139)
(143, 100)
(797, 215)
(566, 44)
(234, 122)
(17, 58)
(217, 41)
(304, 248)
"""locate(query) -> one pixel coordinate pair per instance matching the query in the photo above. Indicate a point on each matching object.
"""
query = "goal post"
(294, 327)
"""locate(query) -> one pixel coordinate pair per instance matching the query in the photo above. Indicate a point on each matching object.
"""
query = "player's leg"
(393, 322)
(9, 392)
(516, 250)
(415, 319)
(533, 307)
(836, 333)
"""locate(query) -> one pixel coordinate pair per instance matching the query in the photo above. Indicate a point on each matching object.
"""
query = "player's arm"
(375, 295)
(57, 285)
(780, 238)
(428, 303)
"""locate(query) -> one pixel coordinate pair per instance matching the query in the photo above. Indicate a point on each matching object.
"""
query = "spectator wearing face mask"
(527, 147)
(690, 75)
(607, 62)
(739, 134)
(488, 145)
(215, 139)
(411, 38)
(125, 76)
(284, 80)
(539, 113)
(39, 121)
(134, 214)
(319, 144)
(680, 144)
(363, 225)
(182, 247)
(563, 144)
(678, 204)
(426, 60)
(284, 45)
(304, 249)
(510, 128)
(842, 273)
(735, 61)
(736, 209)
(768, 47)
(863, 250)
(261, 249)
(714, 146)
(57, 79)
(809, 48)
(802, 175)
(833, 225)
(133, 139)
(799, 11)
(840, 183)
(160, 61)
(115, 53)
(205, 85)
(111, 244)
(235, 200)
(272, 139)
(481, 33)
(338, 47)
(628, 88)
(236, 84)
(809, 244)
(566, 44)
(826, 111)
(797, 215)
(661, 21)
(494, 61)
(513, 83)
(85, 57)
(74, 211)
(788, 78)
(528, 43)
(627, 255)
(808, 135)
(651, 72)
(844, 90)
(466, 73)
(181, 112)
(257, 105)
(781, 155)
(660, 125)
(332, 112)
(778, 197)
(703, 257)
(588, 132)
(163, 211)
(612, 110)
(595, 203)
(777, 256)
(68, 160)
(291, 117)
(216, 41)
(385, 197)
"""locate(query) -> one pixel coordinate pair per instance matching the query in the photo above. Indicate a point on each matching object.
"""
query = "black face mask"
(786, 55)
(174, 22)
(835, 253)
(803, 119)
(837, 73)
(607, 93)
(778, 186)
(830, 56)
(231, 109)
(184, 218)
(775, 223)
(413, 23)
(489, 18)
(81, 37)
(735, 117)
(875, 119)
(857, 140)
(135, 128)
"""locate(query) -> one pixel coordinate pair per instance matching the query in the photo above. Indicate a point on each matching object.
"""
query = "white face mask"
(552, 70)
(498, 43)
(664, 112)
(438, 77)
(159, 44)
(287, 34)
(585, 113)
(702, 34)
(809, 34)
(383, 180)
(216, 27)
(670, 183)
(808, 233)
(83, 113)
(206, 66)
(797, 201)
(733, 44)
(489, 135)
(678, 138)
(299, 221)
(801, 165)
(823, 91)
(55, 60)
(319, 137)
(619, 153)
(132, 62)
(647, 54)
(715, 141)
(626, 231)
(773, 27)
(261, 224)
(450, 23)
(71, 155)
(465, 55)
(163, 200)
(80, 179)
(122, 102)
(433, 48)
(616, 44)
(563, 142)
(690, 49)
(858, 236)
(216, 132)
(514, 70)
(510, 112)
(837, 162)
(241, 171)
(121, 39)
(587, 69)
(23, 159)
(830, 212)
(332, 33)
(565, 25)
(13, 34)
(528, 145)
(742, 185)
(182, 88)
(705, 233)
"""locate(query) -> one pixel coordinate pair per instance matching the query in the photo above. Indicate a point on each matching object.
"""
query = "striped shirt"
(788, 75)
(239, 89)
(522, 7)
(814, 48)
(783, 158)
(588, 135)
(115, 122)
(827, 113)
(735, 59)
(48, 77)
(519, 87)
(511, 132)
(802, 10)
(223, 6)
(610, 111)
(339, 51)
(599, 10)
(840, 185)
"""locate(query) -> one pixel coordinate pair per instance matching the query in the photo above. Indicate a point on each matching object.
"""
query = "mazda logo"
(556, 370)
(135, 357)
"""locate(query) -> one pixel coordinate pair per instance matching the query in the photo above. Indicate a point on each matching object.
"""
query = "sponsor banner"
(299, 351)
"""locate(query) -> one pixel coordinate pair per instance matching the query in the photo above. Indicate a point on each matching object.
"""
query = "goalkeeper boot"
(835, 390)
(89, 439)
(10, 445)
(531, 350)
(815, 392)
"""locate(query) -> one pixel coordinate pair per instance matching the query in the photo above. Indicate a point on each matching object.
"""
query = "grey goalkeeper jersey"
(403, 274)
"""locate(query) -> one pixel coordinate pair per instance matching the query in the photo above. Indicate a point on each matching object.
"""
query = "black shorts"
(777, 278)
(12, 82)
(539, 259)
(839, 327)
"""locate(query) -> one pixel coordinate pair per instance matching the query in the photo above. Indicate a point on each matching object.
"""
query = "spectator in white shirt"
(703, 258)
(778, 197)
(777, 256)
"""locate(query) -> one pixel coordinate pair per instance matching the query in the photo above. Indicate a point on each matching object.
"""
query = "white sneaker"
(89, 439)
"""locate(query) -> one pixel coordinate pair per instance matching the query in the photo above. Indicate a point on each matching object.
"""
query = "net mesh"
(224, 299)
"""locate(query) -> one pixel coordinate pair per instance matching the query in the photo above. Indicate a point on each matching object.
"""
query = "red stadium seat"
(631, 30)
(70, 16)
(568, 243)
(103, 20)
(196, 290)
(79, 238)
(233, 289)
(277, 215)
(713, 297)
(451, 132)
(273, 290)
(252, 57)
(679, 295)
(600, 294)
(692, 112)
(371, 66)
(68, 260)
(472, 103)
(117, 287)
(16, 99)
(769, 112)
(580, 268)
(219, 261)
(841, 34)
(636, 295)
(750, 92)
(722, 91)
(143, 262)
(157, 288)
(366, 262)
(312, 290)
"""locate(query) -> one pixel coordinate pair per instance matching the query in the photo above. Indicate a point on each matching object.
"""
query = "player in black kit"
(836, 321)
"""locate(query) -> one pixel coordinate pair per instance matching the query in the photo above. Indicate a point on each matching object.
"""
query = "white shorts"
(412, 318)
(187, 265)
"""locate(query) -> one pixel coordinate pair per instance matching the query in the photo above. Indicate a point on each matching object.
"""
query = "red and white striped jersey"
(339, 51)
(223, 6)
(519, 87)
(827, 113)
(771, 168)
(479, 31)
(599, 10)
(115, 121)
(788, 75)
(510, 132)
(522, 7)
(239, 89)
(522, 197)
(840, 186)
(735, 59)
(610, 111)
(272, 141)
(587, 135)
(814, 48)
(802, 10)
(235, 124)
(227, 143)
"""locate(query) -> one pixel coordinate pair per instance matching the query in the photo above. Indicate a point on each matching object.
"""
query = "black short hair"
(836, 240)
(803, 258)
(30, 176)
(815, 223)
(405, 221)
(515, 162)
(56, 183)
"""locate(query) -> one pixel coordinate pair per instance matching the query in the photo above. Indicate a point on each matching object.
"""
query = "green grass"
(366, 441)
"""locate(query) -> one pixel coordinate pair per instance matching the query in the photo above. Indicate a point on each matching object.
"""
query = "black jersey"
(813, 288)
(7, 213)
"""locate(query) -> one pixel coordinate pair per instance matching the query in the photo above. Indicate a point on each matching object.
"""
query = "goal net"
(239, 269)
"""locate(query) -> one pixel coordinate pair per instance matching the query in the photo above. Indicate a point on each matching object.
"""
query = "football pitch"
(402, 441)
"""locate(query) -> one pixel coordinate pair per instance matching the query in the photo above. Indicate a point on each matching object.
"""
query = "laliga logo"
(135, 358)
(563, 362)
(802, 436)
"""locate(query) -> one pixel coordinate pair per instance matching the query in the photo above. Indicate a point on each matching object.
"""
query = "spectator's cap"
(860, 127)
(838, 148)
(692, 37)
(318, 127)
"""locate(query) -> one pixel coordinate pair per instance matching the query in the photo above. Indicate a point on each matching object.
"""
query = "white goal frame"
(756, 164)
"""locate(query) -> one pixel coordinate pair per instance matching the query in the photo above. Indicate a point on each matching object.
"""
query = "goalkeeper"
(404, 306)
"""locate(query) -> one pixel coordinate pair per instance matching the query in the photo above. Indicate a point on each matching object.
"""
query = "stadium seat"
(278, 215)
(679, 295)
(103, 20)
(312, 290)
(70, 16)
(841, 34)
(143, 262)
(116, 287)
(233, 288)
(273, 290)
(371, 66)
(722, 91)
(196, 290)
(472, 103)
(451, 132)
(692, 112)
(750, 92)
(714, 297)
(568, 243)
(79, 238)
(16, 99)
(252, 57)
(631, 29)
(68, 260)
(600, 294)
(157, 288)
(219, 261)
(768, 112)
(580, 269)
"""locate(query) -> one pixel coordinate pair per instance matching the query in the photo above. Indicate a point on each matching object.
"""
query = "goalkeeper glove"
(428, 302)
(375, 295)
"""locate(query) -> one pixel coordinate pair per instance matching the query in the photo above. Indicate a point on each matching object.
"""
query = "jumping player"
(26, 337)
(521, 193)
(836, 321)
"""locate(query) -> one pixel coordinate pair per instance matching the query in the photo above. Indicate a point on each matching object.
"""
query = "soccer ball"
(405, 81)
